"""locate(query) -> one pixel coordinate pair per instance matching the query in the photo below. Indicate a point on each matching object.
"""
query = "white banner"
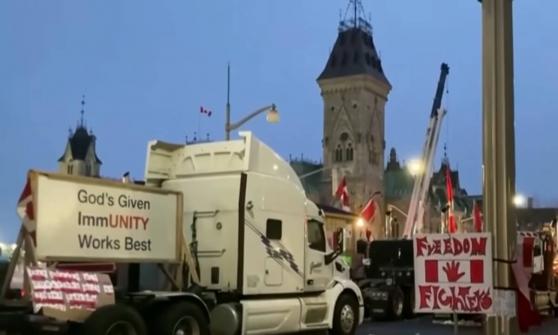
(88, 219)
(453, 273)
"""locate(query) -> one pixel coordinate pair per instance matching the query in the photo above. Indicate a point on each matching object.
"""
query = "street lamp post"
(272, 117)
(272, 114)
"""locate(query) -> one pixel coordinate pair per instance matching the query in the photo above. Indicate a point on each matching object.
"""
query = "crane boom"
(419, 196)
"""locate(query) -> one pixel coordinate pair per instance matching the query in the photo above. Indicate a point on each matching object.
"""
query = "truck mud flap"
(241, 226)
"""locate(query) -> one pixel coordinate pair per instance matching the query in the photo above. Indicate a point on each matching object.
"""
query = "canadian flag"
(369, 210)
(454, 271)
(342, 194)
(25, 208)
(527, 314)
(452, 227)
(368, 213)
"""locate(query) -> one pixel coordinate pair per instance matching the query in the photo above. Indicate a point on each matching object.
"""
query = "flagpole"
(228, 107)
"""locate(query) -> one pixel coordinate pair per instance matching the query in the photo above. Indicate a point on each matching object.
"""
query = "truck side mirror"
(339, 246)
(339, 238)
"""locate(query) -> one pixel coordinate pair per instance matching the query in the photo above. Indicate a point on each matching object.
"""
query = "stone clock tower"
(355, 90)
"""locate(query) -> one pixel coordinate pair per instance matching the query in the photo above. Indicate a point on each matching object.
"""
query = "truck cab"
(389, 278)
(259, 243)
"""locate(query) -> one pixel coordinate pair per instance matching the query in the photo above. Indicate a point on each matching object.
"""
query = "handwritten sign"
(82, 219)
(453, 273)
(68, 295)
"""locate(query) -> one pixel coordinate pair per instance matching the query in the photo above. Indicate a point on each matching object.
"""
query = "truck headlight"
(389, 281)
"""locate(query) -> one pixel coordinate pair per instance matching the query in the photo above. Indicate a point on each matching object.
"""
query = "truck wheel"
(396, 304)
(181, 318)
(345, 317)
(112, 320)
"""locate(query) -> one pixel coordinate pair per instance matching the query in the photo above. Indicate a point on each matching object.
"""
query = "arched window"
(349, 152)
(338, 153)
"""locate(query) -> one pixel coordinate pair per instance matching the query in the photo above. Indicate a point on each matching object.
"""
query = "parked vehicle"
(388, 285)
(252, 249)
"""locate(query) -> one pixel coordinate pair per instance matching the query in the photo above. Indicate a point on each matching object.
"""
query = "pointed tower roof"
(393, 164)
(354, 51)
(80, 140)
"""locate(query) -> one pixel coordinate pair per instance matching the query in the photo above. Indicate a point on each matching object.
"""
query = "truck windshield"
(316, 236)
(391, 253)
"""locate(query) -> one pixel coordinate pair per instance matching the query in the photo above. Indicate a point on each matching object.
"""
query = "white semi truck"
(256, 249)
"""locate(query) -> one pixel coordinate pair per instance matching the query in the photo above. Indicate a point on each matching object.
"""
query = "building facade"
(80, 155)
(354, 90)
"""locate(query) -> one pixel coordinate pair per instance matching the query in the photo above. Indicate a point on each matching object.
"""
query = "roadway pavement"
(425, 326)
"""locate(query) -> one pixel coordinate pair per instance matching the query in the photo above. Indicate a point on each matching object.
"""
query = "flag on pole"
(369, 210)
(452, 227)
(205, 111)
(477, 217)
(342, 194)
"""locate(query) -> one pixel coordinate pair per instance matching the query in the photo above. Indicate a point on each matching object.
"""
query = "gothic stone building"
(355, 90)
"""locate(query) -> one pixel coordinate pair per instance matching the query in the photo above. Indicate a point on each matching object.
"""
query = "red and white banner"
(453, 273)
(69, 295)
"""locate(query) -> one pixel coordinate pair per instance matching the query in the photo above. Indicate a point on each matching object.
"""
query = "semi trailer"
(220, 238)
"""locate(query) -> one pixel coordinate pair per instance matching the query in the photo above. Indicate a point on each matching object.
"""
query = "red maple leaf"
(452, 271)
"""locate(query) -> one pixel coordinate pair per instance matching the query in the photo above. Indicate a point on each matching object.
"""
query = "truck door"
(317, 274)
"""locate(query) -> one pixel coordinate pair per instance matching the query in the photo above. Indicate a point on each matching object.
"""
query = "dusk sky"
(145, 68)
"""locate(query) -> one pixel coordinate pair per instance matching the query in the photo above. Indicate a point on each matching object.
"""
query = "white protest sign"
(94, 219)
(504, 303)
(453, 273)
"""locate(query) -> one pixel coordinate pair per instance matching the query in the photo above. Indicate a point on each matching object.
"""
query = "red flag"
(369, 210)
(342, 194)
(452, 227)
(25, 208)
(26, 201)
(477, 217)
(527, 314)
(449, 185)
